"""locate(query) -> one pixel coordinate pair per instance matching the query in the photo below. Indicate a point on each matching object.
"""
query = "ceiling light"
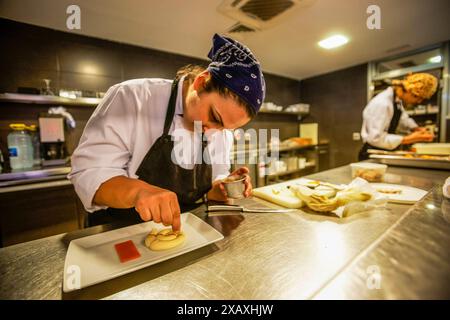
(333, 42)
(435, 59)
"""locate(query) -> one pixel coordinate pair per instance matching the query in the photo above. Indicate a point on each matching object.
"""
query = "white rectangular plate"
(93, 259)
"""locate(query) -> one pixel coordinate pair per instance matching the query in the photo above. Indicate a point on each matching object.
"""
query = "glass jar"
(20, 147)
(36, 144)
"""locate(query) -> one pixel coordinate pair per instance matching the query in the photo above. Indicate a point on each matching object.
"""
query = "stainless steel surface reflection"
(274, 256)
(412, 261)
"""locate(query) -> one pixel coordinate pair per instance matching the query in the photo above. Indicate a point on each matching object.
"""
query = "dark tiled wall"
(337, 100)
(30, 54)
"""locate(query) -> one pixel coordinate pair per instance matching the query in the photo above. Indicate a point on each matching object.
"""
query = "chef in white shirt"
(386, 125)
(127, 165)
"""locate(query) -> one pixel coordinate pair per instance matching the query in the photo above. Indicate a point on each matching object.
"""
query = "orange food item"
(127, 251)
(302, 141)
(369, 175)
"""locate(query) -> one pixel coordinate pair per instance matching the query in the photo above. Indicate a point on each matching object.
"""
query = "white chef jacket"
(123, 127)
(377, 116)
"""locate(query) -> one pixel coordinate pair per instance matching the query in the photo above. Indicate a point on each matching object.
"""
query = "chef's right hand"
(159, 205)
(418, 136)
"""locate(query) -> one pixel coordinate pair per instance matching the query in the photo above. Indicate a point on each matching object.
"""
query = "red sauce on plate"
(127, 251)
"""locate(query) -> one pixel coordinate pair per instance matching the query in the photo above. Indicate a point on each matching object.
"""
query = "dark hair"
(191, 71)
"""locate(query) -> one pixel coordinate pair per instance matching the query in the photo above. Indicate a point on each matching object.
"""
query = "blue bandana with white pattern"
(234, 66)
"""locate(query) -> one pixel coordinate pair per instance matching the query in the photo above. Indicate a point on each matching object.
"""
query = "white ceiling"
(289, 48)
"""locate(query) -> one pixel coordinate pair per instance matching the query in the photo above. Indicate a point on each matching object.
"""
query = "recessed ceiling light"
(435, 59)
(333, 42)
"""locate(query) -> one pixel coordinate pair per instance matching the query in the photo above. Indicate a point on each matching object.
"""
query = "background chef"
(122, 168)
(384, 117)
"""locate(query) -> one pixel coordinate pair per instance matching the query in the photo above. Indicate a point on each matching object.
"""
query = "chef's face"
(214, 110)
(408, 97)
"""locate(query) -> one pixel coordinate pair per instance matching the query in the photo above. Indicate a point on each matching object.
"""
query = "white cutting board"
(285, 197)
(408, 195)
(93, 259)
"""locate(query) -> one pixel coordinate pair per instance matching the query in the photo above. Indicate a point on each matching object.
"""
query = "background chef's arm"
(104, 149)
(376, 125)
(413, 132)
(406, 124)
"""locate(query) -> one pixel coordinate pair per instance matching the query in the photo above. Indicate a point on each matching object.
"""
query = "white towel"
(446, 188)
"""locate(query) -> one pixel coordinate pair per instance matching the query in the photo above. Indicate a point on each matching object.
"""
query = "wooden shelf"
(48, 100)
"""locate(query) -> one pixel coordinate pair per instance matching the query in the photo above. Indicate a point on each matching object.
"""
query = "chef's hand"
(218, 192)
(243, 171)
(151, 202)
(418, 136)
(159, 205)
(421, 129)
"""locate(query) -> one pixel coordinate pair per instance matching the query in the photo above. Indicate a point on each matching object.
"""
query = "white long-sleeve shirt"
(377, 116)
(123, 127)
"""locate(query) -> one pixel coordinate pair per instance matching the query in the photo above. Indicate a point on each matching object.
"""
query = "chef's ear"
(201, 80)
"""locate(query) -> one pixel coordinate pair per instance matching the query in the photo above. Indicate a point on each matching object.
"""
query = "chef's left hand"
(243, 171)
(218, 192)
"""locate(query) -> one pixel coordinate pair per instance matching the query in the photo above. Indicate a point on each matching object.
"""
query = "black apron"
(158, 169)
(363, 154)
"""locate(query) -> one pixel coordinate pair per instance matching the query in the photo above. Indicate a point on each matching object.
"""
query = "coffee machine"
(52, 137)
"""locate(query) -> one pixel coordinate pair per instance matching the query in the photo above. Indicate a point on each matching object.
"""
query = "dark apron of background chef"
(158, 169)
(363, 154)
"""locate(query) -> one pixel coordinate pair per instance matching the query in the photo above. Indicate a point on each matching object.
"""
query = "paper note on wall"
(309, 130)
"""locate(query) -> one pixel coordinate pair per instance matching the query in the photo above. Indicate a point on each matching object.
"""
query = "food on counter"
(275, 191)
(389, 191)
(352, 195)
(127, 251)
(312, 184)
(164, 239)
(372, 172)
(321, 203)
(314, 201)
(427, 157)
(369, 175)
(296, 141)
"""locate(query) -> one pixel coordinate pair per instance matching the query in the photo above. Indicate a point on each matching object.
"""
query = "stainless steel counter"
(399, 252)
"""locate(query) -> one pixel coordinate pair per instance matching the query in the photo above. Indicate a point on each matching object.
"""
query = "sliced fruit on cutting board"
(281, 194)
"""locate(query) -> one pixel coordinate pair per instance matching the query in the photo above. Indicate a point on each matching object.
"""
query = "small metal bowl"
(235, 189)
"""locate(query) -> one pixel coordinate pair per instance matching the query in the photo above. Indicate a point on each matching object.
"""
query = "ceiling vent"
(260, 14)
(237, 28)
